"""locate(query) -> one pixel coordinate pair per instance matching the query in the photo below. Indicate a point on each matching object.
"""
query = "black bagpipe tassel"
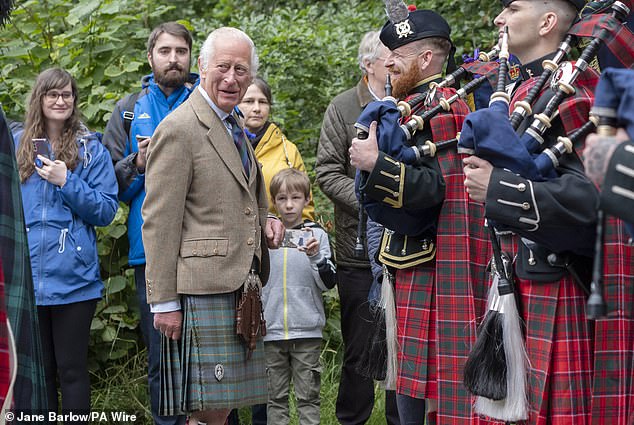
(485, 370)
(379, 358)
(498, 364)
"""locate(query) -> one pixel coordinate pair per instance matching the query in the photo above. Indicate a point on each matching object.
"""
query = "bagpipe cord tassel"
(387, 302)
(514, 407)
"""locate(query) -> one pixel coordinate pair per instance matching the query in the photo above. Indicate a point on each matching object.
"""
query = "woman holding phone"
(68, 187)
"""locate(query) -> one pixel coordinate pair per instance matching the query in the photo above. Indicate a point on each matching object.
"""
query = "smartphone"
(296, 238)
(41, 147)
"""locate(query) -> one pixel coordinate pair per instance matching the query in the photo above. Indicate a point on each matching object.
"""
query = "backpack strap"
(128, 112)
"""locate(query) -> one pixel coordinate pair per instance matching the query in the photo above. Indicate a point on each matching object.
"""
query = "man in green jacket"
(335, 177)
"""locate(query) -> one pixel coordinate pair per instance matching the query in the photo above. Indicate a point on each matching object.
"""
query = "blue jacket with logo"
(60, 225)
(149, 110)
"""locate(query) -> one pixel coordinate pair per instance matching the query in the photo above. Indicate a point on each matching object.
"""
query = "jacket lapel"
(219, 138)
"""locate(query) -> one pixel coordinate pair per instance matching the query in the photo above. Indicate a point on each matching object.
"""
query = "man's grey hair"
(222, 34)
(369, 49)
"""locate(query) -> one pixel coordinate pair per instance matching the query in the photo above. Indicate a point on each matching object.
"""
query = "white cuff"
(165, 307)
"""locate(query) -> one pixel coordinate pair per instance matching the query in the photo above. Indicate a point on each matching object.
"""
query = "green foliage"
(114, 327)
(307, 53)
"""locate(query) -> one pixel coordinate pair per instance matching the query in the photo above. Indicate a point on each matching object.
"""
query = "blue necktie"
(240, 142)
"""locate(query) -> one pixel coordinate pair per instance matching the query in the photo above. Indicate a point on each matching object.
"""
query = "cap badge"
(403, 28)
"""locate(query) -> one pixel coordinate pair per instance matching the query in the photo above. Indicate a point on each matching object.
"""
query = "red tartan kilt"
(416, 331)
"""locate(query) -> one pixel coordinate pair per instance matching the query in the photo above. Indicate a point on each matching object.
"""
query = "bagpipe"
(526, 155)
(612, 110)
(496, 368)
(397, 121)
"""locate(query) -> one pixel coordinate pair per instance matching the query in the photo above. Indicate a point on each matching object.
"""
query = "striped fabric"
(438, 304)
(559, 347)
(208, 369)
(240, 140)
(29, 391)
(581, 371)
(613, 386)
(5, 368)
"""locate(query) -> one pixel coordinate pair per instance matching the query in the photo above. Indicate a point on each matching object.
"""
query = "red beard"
(406, 81)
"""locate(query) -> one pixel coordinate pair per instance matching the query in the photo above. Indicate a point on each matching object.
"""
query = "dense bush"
(307, 51)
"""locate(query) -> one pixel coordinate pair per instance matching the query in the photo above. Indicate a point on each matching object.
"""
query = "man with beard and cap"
(578, 372)
(335, 176)
(127, 137)
(433, 234)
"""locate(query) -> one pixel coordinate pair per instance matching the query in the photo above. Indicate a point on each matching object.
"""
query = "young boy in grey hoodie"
(293, 305)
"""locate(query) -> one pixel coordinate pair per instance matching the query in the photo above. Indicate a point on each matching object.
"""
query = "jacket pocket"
(204, 247)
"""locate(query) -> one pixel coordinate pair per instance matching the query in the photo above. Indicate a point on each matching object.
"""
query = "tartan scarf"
(29, 391)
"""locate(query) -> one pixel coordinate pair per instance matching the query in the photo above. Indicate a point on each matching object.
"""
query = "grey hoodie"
(293, 303)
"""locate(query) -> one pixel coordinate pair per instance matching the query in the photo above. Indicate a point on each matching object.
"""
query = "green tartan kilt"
(207, 368)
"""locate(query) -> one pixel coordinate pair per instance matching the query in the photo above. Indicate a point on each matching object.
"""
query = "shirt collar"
(221, 114)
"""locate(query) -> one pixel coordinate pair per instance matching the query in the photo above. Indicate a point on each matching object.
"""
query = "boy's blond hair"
(293, 179)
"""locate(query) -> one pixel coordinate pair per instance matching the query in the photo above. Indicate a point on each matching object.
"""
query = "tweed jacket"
(203, 218)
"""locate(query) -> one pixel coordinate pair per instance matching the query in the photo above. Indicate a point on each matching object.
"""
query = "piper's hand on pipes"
(365, 152)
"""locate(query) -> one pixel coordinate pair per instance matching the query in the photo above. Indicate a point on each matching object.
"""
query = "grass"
(123, 387)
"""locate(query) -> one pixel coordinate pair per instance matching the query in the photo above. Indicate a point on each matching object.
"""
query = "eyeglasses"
(52, 96)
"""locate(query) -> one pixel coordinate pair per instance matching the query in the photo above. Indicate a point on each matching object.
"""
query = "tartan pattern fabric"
(613, 387)
(438, 305)
(581, 371)
(559, 347)
(617, 37)
(190, 367)
(414, 294)
(29, 391)
(5, 375)
(558, 336)
(240, 141)
(573, 110)
(463, 251)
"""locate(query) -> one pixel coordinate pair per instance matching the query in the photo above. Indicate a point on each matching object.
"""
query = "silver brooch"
(219, 372)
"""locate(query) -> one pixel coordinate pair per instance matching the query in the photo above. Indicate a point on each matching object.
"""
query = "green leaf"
(115, 309)
(117, 231)
(81, 11)
(116, 284)
(109, 334)
(96, 324)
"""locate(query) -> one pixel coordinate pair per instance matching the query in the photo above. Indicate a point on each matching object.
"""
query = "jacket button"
(521, 187)
(247, 211)
(194, 252)
(250, 241)
(526, 206)
(79, 248)
(397, 178)
(215, 251)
